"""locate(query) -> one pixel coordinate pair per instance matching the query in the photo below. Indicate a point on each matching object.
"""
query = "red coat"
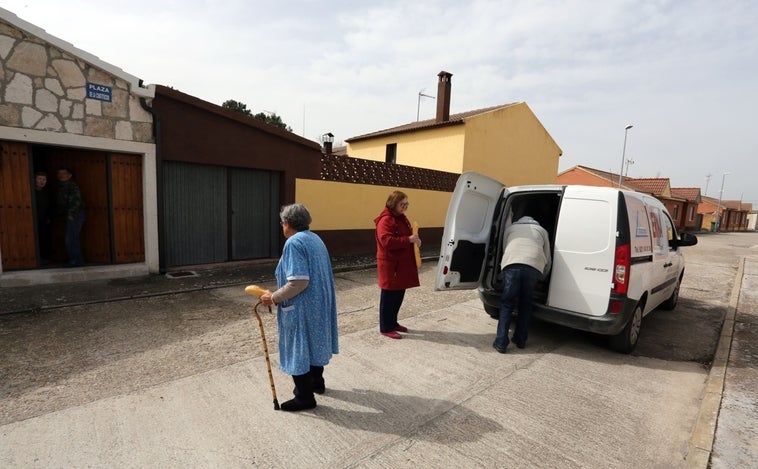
(395, 261)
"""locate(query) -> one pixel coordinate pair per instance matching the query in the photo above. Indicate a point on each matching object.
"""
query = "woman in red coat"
(395, 261)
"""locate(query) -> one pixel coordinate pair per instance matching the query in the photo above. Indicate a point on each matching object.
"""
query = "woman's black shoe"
(294, 405)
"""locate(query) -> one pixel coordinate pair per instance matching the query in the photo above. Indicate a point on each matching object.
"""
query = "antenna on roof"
(418, 107)
(707, 180)
(628, 162)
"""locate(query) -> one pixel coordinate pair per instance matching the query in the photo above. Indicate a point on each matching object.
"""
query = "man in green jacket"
(71, 205)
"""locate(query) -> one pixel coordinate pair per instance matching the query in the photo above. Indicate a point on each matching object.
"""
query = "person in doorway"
(71, 206)
(395, 262)
(44, 226)
(306, 308)
(526, 259)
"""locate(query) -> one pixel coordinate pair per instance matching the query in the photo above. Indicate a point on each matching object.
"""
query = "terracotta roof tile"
(690, 194)
(654, 186)
(736, 205)
(628, 183)
(455, 119)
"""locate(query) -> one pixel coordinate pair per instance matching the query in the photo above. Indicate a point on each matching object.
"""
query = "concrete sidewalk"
(439, 397)
(733, 381)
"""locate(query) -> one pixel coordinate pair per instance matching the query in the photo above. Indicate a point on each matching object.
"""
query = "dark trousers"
(306, 383)
(519, 281)
(389, 305)
(73, 245)
(45, 239)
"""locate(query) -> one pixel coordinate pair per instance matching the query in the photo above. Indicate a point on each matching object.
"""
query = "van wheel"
(671, 302)
(626, 340)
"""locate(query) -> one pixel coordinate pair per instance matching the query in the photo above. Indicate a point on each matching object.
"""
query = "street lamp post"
(623, 154)
(717, 226)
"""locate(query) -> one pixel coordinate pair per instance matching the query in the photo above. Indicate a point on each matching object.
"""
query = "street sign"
(99, 92)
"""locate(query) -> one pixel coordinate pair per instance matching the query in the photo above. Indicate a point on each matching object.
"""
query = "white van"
(616, 253)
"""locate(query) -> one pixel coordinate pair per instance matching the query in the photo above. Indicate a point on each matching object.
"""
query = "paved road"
(179, 380)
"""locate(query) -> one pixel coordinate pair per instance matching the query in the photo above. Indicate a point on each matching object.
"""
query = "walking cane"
(257, 291)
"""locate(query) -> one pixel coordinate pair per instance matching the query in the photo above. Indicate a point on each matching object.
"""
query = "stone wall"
(44, 88)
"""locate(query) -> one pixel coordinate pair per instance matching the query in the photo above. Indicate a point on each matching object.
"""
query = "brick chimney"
(443, 96)
(328, 140)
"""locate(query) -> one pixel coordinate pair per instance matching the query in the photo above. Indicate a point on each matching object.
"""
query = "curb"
(179, 289)
(704, 432)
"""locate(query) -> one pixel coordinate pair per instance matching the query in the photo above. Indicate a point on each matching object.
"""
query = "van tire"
(626, 340)
(671, 302)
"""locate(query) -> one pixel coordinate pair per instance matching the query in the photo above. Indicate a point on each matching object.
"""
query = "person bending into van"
(526, 259)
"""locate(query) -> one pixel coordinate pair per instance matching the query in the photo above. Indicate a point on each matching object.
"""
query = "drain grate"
(181, 274)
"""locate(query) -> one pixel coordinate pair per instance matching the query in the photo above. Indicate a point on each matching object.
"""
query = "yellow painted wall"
(511, 145)
(346, 206)
(440, 148)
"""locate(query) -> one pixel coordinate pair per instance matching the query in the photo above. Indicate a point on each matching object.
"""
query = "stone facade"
(44, 88)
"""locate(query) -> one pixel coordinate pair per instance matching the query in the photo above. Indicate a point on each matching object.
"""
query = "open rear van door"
(466, 235)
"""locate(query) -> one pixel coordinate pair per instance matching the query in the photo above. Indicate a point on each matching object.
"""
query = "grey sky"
(682, 72)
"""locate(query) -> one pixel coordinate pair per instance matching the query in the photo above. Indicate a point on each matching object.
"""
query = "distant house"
(506, 142)
(692, 198)
(735, 215)
(586, 176)
(724, 215)
(752, 220)
(682, 203)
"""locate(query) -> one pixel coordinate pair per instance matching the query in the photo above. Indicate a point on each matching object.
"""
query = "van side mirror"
(687, 239)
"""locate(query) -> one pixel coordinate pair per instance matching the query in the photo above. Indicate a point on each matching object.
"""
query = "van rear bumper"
(607, 324)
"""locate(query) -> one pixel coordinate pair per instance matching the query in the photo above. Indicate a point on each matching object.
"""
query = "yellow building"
(506, 142)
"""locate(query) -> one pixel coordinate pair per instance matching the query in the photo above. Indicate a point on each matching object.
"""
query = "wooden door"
(17, 235)
(128, 213)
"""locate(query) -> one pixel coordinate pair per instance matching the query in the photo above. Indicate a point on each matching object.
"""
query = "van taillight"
(621, 269)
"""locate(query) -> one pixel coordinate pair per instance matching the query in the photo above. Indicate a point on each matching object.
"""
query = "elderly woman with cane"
(306, 308)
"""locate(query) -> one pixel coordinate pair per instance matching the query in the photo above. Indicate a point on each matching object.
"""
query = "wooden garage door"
(17, 235)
